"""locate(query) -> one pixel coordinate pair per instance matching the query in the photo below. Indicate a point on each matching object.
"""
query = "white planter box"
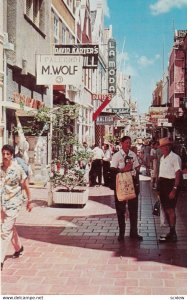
(74, 197)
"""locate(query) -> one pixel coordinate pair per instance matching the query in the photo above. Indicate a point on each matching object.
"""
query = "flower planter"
(76, 197)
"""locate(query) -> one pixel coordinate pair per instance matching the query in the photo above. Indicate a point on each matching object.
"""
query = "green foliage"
(70, 174)
(110, 138)
(72, 178)
(65, 146)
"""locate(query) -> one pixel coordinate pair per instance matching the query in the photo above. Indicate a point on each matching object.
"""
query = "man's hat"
(164, 142)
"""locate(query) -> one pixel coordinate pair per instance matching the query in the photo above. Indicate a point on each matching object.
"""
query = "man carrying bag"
(126, 161)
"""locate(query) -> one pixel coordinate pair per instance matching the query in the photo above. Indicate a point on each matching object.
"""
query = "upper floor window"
(87, 26)
(63, 34)
(56, 29)
(34, 11)
(71, 5)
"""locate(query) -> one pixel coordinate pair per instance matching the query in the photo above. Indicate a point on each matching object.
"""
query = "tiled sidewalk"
(75, 250)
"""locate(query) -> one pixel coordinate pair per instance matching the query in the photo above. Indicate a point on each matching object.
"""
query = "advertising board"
(59, 69)
(89, 53)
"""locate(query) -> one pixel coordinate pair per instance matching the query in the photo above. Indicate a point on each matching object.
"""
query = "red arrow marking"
(100, 108)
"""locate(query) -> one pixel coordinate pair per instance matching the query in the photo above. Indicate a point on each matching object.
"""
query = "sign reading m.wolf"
(89, 52)
(111, 66)
(59, 69)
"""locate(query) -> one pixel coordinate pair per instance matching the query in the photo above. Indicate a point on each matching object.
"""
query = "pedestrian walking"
(85, 163)
(13, 180)
(19, 159)
(119, 165)
(154, 164)
(146, 149)
(96, 166)
(106, 163)
(168, 185)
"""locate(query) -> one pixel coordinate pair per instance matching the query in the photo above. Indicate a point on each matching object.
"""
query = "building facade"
(26, 33)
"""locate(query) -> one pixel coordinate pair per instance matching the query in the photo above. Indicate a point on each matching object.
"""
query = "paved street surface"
(75, 250)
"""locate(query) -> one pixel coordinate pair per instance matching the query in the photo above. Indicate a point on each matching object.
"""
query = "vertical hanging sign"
(111, 66)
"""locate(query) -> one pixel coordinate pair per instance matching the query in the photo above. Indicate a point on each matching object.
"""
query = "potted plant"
(67, 178)
(68, 183)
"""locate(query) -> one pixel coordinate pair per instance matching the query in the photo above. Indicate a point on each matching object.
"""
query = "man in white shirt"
(169, 183)
(106, 163)
(118, 163)
(153, 159)
(96, 166)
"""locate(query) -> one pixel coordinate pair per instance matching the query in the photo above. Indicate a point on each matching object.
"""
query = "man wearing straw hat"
(169, 183)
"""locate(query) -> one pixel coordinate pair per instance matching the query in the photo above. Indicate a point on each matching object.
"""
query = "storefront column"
(1, 140)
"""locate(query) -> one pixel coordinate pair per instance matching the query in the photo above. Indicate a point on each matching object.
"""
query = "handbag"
(156, 208)
(125, 187)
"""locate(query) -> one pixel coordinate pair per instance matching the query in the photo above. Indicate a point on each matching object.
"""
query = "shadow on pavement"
(106, 200)
(98, 229)
(100, 233)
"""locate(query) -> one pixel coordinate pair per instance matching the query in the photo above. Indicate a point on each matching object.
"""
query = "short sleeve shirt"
(169, 165)
(10, 186)
(118, 159)
(97, 153)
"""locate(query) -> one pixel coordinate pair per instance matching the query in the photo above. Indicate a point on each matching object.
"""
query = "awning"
(59, 88)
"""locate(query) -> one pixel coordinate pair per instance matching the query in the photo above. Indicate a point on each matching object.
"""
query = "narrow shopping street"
(75, 250)
(90, 89)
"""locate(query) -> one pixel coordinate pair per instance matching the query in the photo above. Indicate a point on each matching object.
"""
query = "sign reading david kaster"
(59, 70)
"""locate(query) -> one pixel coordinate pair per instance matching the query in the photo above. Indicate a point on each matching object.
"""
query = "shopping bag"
(125, 187)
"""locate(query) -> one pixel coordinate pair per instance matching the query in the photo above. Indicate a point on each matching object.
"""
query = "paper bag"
(124, 186)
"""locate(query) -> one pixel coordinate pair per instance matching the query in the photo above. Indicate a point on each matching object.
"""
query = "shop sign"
(111, 66)
(105, 120)
(101, 97)
(59, 69)
(159, 116)
(122, 123)
(158, 110)
(164, 122)
(180, 33)
(120, 111)
(90, 53)
(28, 101)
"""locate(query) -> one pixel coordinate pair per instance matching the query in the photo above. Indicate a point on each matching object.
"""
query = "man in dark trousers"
(168, 185)
(119, 165)
(96, 166)
(106, 163)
